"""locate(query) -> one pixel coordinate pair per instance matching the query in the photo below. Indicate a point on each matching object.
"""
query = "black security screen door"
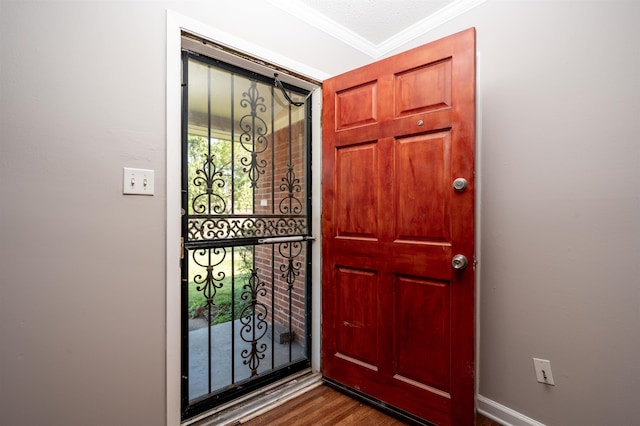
(245, 223)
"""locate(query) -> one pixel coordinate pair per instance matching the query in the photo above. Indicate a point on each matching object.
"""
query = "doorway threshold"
(251, 405)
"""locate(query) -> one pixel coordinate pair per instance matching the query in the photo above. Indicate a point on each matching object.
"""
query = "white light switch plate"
(543, 371)
(137, 181)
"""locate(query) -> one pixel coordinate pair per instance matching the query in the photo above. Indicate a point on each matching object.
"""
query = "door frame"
(176, 23)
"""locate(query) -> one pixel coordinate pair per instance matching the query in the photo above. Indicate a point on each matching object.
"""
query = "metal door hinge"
(181, 248)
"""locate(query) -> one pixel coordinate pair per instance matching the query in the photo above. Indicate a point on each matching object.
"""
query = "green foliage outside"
(221, 309)
(217, 172)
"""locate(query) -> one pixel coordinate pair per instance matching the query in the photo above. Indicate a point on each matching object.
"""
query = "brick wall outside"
(268, 257)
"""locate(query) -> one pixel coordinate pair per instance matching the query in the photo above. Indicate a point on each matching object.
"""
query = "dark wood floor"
(325, 406)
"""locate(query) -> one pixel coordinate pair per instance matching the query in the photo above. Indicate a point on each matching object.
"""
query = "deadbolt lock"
(460, 184)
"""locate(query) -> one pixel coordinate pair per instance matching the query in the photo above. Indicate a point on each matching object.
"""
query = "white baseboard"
(503, 415)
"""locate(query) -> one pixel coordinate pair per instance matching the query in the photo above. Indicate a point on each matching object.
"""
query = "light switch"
(137, 181)
(543, 371)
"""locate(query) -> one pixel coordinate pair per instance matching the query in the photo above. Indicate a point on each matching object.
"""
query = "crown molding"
(375, 51)
(427, 24)
(322, 22)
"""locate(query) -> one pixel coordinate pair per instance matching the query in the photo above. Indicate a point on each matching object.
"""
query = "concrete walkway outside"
(275, 356)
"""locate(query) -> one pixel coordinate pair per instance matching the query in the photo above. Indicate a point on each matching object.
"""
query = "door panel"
(357, 332)
(410, 85)
(398, 320)
(356, 106)
(422, 323)
(422, 166)
(356, 197)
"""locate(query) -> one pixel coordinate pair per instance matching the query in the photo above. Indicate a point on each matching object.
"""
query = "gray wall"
(82, 298)
(82, 291)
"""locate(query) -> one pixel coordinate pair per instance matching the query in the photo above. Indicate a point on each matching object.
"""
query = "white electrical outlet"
(137, 181)
(543, 371)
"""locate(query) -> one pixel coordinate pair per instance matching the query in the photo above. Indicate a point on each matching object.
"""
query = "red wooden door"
(397, 317)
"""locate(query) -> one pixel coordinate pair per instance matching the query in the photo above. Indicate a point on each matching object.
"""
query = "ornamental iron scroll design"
(224, 228)
(213, 188)
(290, 204)
(290, 268)
(254, 130)
(209, 177)
(254, 322)
(209, 283)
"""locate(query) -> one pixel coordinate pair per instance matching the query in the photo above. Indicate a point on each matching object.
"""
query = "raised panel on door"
(356, 191)
(357, 307)
(421, 333)
(422, 97)
(411, 98)
(422, 189)
(356, 106)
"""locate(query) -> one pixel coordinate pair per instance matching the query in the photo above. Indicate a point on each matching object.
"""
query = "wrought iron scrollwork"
(220, 228)
(254, 130)
(290, 268)
(254, 321)
(209, 217)
(210, 177)
(290, 204)
(209, 283)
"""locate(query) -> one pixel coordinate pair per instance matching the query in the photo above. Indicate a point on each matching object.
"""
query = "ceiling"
(375, 27)
(376, 20)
